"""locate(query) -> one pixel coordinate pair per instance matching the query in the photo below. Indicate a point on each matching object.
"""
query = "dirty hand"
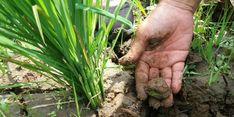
(161, 46)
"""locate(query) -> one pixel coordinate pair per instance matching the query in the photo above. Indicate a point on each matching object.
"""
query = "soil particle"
(17, 74)
(158, 88)
(193, 58)
(155, 103)
(109, 108)
(122, 49)
(130, 112)
(202, 109)
(120, 94)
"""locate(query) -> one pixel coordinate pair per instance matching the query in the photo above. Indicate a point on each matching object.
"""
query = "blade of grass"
(105, 13)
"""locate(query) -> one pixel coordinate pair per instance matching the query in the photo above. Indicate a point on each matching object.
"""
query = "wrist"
(190, 5)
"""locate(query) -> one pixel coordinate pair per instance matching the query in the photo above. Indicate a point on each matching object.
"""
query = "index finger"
(137, 47)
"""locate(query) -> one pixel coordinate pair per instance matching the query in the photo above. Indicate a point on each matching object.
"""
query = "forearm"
(185, 4)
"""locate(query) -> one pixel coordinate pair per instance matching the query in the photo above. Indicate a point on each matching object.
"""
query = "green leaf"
(104, 13)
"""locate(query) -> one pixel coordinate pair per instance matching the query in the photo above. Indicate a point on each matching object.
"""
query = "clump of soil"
(121, 49)
(120, 94)
(157, 89)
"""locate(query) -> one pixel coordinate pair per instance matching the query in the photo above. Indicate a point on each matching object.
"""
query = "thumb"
(137, 47)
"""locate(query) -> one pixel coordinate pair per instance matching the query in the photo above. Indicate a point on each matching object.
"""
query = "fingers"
(167, 102)
(173, 78)
(177, 74)
(138, 46)
(155, 103)
(141, 75)
(166, 74)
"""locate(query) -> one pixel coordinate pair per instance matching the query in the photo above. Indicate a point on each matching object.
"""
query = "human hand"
(171, 27)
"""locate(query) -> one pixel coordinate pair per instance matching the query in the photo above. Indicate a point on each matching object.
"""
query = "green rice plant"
(189, 70)
(153, 2)
(209, 37)
(4, 107)
(140, 7)
(64, 40)
(2, 65)
(2, 62)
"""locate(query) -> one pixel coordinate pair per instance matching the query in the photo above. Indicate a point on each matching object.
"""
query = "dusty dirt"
(120, 98)
(121, 49)
(120, 94)
(16, 74)
(195, 99)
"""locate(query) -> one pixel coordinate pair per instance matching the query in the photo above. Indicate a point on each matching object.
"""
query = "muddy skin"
(158, 90)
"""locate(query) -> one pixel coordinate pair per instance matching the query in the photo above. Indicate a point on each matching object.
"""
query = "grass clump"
(64, 39)
(213, 39)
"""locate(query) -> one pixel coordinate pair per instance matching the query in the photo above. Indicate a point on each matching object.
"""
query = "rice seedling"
(2, 66)
(209, 37)
(2, 62)
(64, 40)
(4, 107)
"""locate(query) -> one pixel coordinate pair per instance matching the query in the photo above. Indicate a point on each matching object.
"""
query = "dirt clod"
(155, 103)
(158, 88)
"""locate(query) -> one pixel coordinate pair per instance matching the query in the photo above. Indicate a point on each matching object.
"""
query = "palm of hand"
(172, 27)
